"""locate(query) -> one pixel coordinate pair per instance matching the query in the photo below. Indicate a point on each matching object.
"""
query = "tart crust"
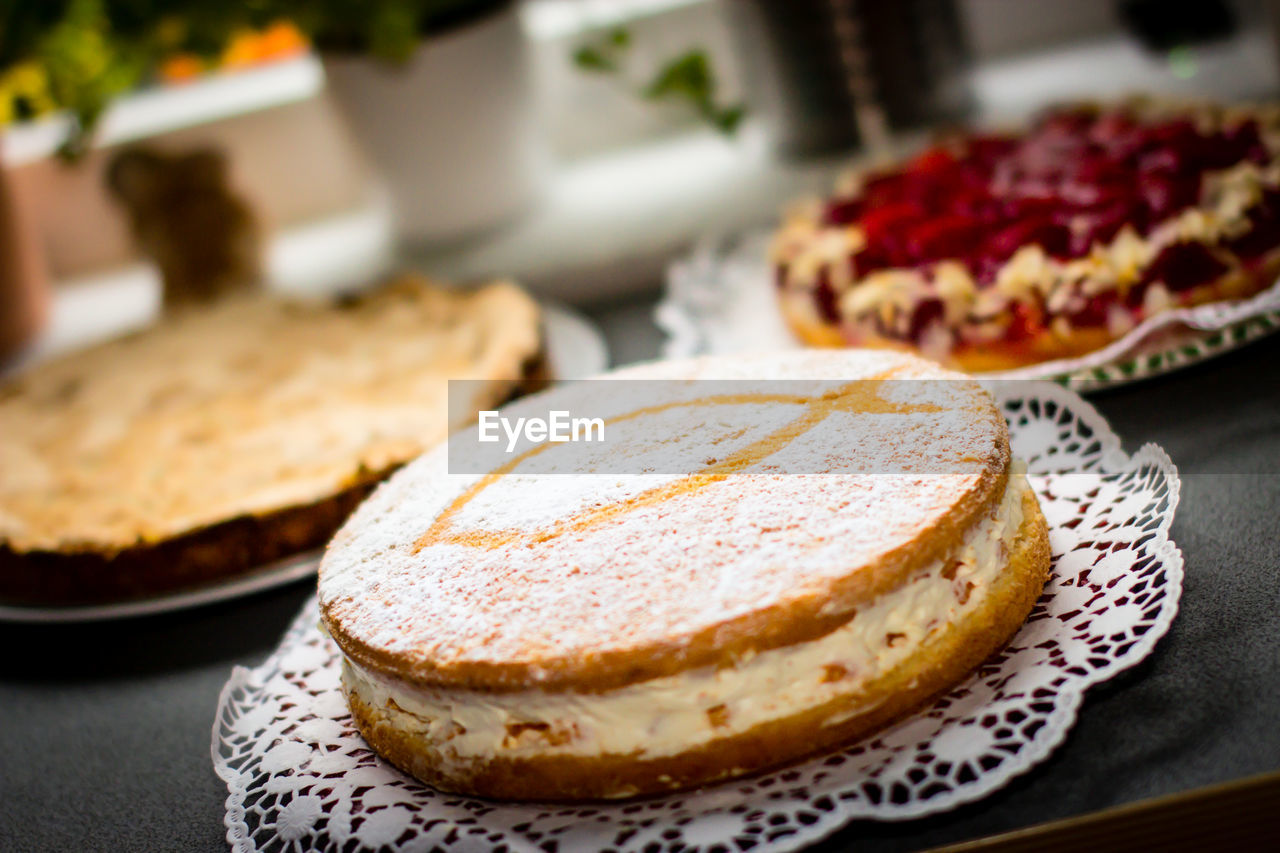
(942, 661)
(223, 550)
(1043, 346)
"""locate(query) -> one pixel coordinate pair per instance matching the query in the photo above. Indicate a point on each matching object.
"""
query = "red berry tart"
(988, 252)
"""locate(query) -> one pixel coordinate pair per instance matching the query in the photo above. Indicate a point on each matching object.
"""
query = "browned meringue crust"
(944, 660)
(117, 561)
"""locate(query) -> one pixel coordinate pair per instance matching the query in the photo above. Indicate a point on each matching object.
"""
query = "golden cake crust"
(944, 660)
(447, 623)
(228, 437)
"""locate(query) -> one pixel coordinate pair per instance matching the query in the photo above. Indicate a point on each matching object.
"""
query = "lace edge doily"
(1111, 461)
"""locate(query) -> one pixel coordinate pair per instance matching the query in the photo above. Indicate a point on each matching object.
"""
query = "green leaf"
(87, 66)
(589, 58)
(727, 120)
(393, 31)
(688, 76)
(605, 54)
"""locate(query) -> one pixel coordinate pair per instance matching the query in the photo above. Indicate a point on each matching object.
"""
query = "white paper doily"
(722, 299)
(301, 778)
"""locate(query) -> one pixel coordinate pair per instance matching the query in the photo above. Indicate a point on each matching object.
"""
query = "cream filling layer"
(672, 714)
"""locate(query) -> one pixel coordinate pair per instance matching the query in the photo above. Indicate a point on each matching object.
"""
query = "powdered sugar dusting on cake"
(533, 569)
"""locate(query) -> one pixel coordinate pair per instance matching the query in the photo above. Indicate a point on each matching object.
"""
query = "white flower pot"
(452, 131)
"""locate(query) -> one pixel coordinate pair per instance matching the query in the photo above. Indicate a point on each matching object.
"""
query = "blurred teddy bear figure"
(188, 220)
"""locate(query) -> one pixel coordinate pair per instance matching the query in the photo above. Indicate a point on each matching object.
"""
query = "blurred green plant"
(604, 55)
(71, 60)
(687, 78)
(78, 55)
(387, 29)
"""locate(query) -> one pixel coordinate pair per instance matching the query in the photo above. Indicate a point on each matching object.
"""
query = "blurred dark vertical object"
(818, 69)
(1271, 9)
(24, 282)
(186, 217)
(1161, 25)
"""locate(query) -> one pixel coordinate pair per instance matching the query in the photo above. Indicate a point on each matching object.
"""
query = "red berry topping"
(948, 236)
(925, 314)
(879, 220)
(1164, 195)
(824, 295)
(1264, 228)
(932, 162)
(842, 211)
(1095, 310)
(1027, 322)
(1074, 181)
(868, 261)
(1182, 266)
(1054, 238)
(1102, 223)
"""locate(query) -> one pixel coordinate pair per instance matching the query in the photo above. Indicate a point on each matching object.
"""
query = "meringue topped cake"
(825, 568)
(993, 251)
(235, 434)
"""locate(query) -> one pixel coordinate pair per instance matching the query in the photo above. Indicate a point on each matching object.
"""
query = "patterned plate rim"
(683, 314)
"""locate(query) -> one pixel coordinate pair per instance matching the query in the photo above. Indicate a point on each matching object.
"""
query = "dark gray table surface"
(105, 729)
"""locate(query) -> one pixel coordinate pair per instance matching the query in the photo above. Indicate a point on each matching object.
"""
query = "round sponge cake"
(850, 541)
